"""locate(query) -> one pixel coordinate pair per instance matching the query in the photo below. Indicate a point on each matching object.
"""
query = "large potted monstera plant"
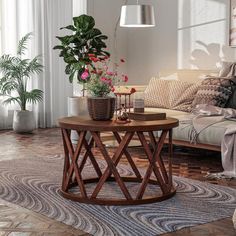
(15, 74)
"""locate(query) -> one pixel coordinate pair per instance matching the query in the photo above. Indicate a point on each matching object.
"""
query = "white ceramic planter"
(77, 106)
(23, 121)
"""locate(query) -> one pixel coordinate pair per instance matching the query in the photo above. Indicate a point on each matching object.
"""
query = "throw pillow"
(227, 69)
(157, 93)
(171, 94)
(232, 100)
(182, 95)
(215, 91)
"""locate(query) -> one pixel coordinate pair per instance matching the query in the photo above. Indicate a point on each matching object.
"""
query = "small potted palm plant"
(15, 74)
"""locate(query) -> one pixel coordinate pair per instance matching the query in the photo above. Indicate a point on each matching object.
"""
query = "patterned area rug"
(34, 184)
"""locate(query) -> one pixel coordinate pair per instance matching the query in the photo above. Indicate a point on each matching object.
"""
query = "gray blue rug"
(34, 184)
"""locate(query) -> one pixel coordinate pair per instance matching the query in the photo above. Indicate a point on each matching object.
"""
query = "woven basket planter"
(101, 108)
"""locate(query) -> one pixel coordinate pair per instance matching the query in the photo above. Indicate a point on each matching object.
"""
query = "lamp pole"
(115, 40)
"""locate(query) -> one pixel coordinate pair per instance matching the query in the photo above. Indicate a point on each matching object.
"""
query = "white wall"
(152, 49)
(203, 28)
(106, 14)
(188, 34)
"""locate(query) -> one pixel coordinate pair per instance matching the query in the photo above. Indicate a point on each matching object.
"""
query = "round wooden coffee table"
(156, 174)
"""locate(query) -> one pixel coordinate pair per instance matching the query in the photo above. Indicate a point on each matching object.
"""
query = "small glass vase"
(138, 102)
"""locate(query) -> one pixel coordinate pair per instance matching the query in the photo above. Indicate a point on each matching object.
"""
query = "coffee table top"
(83, 124)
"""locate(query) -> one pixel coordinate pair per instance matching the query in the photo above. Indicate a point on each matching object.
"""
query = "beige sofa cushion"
(169, 112)
(170, 94)
(211, 135)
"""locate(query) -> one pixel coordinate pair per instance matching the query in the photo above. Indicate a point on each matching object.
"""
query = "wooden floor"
(47, 142)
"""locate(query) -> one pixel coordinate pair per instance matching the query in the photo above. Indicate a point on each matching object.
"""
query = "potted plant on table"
(101, 86)
(16, 72)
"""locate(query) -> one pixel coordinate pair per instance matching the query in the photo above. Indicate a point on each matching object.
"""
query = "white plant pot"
(23, 121)
(77, 106)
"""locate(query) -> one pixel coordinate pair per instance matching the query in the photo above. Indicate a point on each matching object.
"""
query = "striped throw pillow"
(215, 91)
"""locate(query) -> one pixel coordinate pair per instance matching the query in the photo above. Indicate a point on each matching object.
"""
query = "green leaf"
(68, 69)
(70, 59)
(84, 23)
(33, 67)
(34, 96)
(93, 33)
(8, 87)
(22, 44)
(69, 27)
(12, 100)
(64, 40)
(71, 77)
(58, 47)
(102, 37)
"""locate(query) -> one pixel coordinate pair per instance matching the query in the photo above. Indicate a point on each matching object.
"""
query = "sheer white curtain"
(43, 18)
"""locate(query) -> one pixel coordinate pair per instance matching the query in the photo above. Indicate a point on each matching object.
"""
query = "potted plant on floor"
(81, 50)
(77, 47)
(15, 74)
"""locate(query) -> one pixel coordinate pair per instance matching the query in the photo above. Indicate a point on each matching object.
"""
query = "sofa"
(165, 85)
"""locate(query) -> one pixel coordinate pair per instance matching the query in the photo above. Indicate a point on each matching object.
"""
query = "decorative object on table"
(147, 116)
(232, 22)
(123, 104)
(122, 116)
(80, 49)
(137, 15)
(138, 102)
(101, 87)
(16, 71)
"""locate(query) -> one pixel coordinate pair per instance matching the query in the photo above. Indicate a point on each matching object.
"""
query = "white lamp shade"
(137, 16)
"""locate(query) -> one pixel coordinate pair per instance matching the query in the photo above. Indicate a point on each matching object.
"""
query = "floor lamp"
(135, 16)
